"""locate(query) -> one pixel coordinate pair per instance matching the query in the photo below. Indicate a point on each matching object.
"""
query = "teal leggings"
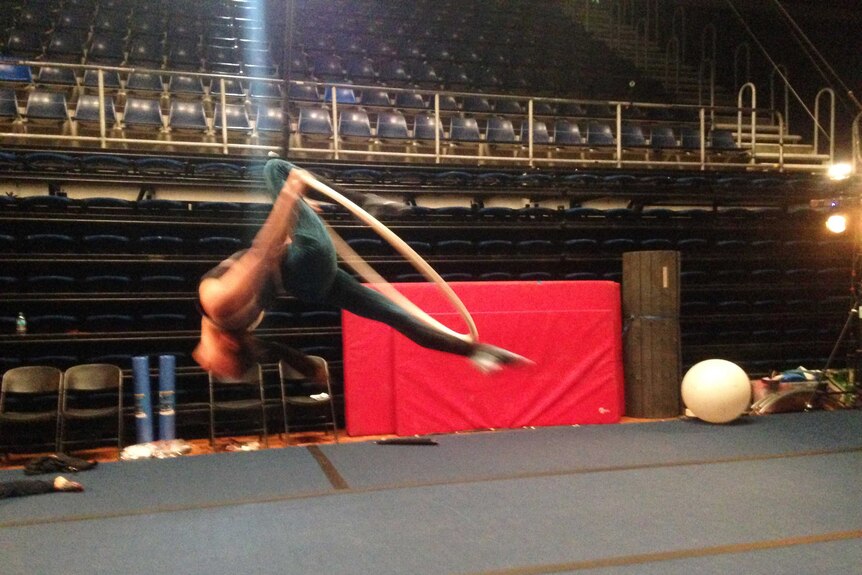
(309, 271)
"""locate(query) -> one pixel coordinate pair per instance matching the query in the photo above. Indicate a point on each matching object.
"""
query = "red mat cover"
(572, 330)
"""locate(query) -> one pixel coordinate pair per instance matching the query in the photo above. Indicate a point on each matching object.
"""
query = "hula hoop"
(361, 267)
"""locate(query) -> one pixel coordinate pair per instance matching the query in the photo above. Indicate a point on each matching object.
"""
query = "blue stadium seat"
(567, 133)
(599, 134)
(162, 322)
(690, 138)
(66, 45)
(106, 283)
(343, 96)
(110, 80)
(424, 75)
(184, 86)
(144, 84)
(369, 246)
(476, 105)
(393, 72)
(262, 90)
(106, 243)
(410, 101)
(662, 138)
(106, 49)
(87, 112)
(303, 93)
(314, 122)
(361, 70)
(56, 78)
(237, 119)
(496, 277)
(162, 283)
(581, 246)
(327, 67)
(46, 108)
(495, 247)
(454, 247)
(51, 284)
(722, 140)
(457, 276)
(541, 136)
(500, 131)
(187, 116)
(143, 114)
(392, 125)
(50, 243)
(463, 129)
(9, 106)
(632, 136)
(269, 120)
(375, 99)
(52, 323)
(507, 107)
(160, 245)
(145, 50)
(423, 128)
(233, 89)
(109, 322)
(8, 244)
(354, 125)
(536, 247)
(15, 75)
(220, 245)
(24, 43)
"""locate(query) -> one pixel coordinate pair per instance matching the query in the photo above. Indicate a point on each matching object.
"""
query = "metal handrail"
(818, 128)
(856, 145)
(753, 115)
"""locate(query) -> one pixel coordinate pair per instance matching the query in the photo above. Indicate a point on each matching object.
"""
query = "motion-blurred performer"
(293, 253)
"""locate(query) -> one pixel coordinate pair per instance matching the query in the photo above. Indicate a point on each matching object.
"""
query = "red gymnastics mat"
(572, 330)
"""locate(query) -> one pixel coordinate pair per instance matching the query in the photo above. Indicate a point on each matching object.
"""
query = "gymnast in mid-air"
(293, 253)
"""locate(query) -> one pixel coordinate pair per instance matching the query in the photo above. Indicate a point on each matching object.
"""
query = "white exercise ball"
(716, 390)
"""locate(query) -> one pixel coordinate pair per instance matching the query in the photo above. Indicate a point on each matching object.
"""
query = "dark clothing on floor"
(24, 487)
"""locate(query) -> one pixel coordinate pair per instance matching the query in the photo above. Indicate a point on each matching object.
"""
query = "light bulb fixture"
(839, 172)
(837, 223)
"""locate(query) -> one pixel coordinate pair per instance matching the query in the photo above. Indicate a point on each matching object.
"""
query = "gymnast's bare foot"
(490, 359)
(63, 484)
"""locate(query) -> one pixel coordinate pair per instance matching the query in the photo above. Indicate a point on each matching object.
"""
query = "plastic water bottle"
(21, 324)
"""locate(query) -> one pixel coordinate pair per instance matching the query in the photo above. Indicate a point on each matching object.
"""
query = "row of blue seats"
(222, 245)
(105, 282)
(45, 107)
(230, 56)
(102, 322)
(799, 217)
(147, 166)
(19, 77)
(393, 125)
(118, 244)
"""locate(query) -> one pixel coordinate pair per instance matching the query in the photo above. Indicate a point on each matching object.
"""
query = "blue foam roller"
(167, 397)
(143, 402)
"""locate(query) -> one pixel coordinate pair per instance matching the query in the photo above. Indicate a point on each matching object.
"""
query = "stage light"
(837, 223)
(838, 172)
